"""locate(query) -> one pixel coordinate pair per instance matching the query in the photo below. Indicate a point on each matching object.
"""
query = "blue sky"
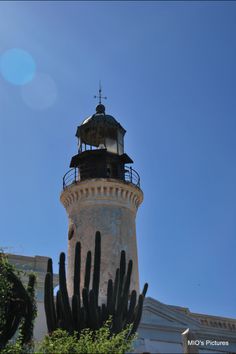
(168, 69)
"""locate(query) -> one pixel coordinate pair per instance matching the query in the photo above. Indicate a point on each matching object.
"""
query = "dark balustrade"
(73, 176)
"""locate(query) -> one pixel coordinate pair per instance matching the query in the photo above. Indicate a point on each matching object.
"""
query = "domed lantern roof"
(99, 116)
(101, 131)
(101, 150)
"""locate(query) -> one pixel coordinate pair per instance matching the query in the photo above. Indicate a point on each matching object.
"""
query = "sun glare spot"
(40, 93)
(17, 66)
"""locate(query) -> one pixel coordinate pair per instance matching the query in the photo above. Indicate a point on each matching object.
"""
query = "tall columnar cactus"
(84, 311)
(19, 309)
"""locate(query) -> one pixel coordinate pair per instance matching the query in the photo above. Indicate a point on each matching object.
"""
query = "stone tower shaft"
(101, 193)
(110, 207)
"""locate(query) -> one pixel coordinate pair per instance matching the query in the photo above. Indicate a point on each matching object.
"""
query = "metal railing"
(73, 176)
(132, 176)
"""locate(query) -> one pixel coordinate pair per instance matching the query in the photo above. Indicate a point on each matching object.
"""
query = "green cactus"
(87, 270)
(66, 310)
(97, 263)
(85, 312)
(77, 269)
(49, 303)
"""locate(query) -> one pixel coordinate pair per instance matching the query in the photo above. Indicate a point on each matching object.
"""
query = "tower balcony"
(73, 176)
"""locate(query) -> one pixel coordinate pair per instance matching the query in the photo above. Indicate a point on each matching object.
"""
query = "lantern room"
(101, 131)
(100, 151)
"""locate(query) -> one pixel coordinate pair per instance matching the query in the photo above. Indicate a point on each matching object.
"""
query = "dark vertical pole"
(131, 175)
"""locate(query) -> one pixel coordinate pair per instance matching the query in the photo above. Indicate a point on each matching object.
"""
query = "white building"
(101, 193)
(162, 325)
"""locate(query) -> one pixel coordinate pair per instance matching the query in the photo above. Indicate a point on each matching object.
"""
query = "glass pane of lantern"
(120, 143)
(120, 149)
(111, 145)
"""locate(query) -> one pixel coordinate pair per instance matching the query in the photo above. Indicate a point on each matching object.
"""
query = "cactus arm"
(123, 300)
(49, 266)
(48, 303)
(93, 313)
(145, 289)
(105, 315)
(64, 295)
(138, 315)
(97, 263)
(74, 311)
(86, 306)
(50, 270)
(122, 272)
(115, 290)
(132, 305)
(109, 296)
(77, 269)
(87, 270)
(59, 306)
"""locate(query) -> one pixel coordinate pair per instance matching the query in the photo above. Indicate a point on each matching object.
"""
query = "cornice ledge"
(102, 190)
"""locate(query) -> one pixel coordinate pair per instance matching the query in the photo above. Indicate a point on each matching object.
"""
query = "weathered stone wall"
(109, 206)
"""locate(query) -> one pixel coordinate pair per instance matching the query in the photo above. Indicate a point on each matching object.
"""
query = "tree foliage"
(5, 288)
(17, 304)
(89, 342)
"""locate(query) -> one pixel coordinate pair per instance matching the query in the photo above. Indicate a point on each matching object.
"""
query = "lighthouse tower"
(101, 193)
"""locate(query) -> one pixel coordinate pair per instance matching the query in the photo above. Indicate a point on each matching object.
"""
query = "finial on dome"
(100, 108)
(100, 97)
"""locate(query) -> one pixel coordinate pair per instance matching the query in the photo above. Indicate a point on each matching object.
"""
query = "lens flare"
(40, 93)
(17, 66)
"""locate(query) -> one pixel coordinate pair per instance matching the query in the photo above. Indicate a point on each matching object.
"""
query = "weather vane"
(100, 97)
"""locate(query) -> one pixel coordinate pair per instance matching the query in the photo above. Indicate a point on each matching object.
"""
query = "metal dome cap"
(97, 128)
